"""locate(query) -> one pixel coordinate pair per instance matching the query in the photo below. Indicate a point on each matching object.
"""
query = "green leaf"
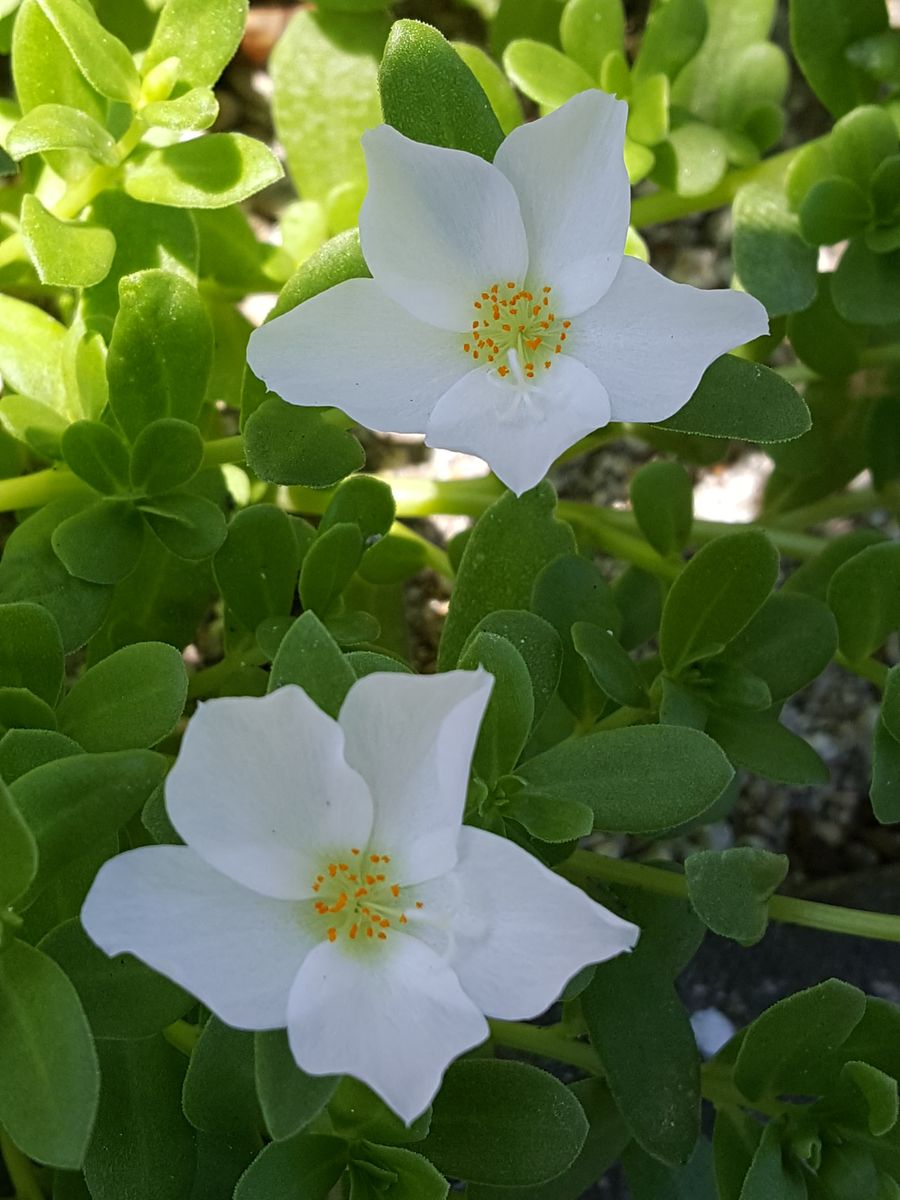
(662, 497)
(860, 141)
(31, 344)
(538, 644)
(733, 26)
(33, 423)
(31, 571)
(256, 566)
(290, 445)
(364, 501)
(31, 650)
(864, 595)
(821, 338)
(20, 708)
(122, 997)
(324, 70)
(607, 1137)
(640, 1030)
(316, 1159)
(866, 285)
(160, 353)
(543, 73)
(147, 236)
(693, 159)
(549, 818)
(49, 1080)
(510, 544)
(196, 109)
(772, 1175)
(21, 750)
(788, 643)
(18, 851)
(46, 73)
(673, 34)
(591, 29)
(220, 1085)
(416, 1178)
(610, 666)
(430, 95)
(821, 32)
(730, 889)
(128, 701)
(788, 1049)
(735, 1137)
(97, 454)
(885, 788)
(890, 704)
(142, 1145)
(636, 780)
(59, 127)
(510, 712)
(166, 454)
(833, 210)
(101, 543)
(290, 1099)
(310, 657)
(741, 399)
(356, 1112)
(759, 742)
(71, 804)
(493, 82)
(715, 596)
(65, 253)
(208, 172)
(503, 1123)
(188, 525)
(329, 565)
(771, 258)
(393, 559)
(649, 1179)
(103, 60)
(202, 34)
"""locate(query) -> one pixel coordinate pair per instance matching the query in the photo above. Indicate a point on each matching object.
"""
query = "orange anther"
(383, 936)
(370, 932)
(321, 906)
(343, 866)
(562, 337)
(419, 904)
(532, 343)
(511, 285)
(466, 347)
(316, 887)
(353, 850)
(385, 923)
(380, 878)
(374, 858)
(504, 371)
(354, 930)
(547, 363)
(370, 879)
(395, 889)
(547, 289)
(536, 311)
(566, 324)
(332, 934)
(403, 918)
(478, 304)
(360, 892)
(506, 328)
(332, 869)
(385, 858)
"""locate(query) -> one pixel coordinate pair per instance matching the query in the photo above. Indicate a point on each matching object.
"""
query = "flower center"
(517, 330)
(358, 900)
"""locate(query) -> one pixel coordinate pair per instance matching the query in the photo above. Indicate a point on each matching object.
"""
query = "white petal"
(522, 932)
(236, 951)
(568, 170)
(437, 227)
(649, 340)
(411, 737)
(354, 348)
(520, 431)
(394, 1017)
(261, 791)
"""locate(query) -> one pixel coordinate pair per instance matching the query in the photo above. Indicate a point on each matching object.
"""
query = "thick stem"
(667, 206)
(788, 909)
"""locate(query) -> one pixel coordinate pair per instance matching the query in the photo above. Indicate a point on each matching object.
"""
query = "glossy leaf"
(208, 172)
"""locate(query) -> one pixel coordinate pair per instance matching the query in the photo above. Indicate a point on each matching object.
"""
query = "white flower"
(502, 318)
(328, 885)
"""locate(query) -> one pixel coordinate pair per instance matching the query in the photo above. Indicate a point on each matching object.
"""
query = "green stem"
(844, 504)
(20, 1170)
(183, 1036)
(545, 1042)
(621, 718)
(208, 682)
(788, 909)
(667, 206)
(614, 540)
(866, 668)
